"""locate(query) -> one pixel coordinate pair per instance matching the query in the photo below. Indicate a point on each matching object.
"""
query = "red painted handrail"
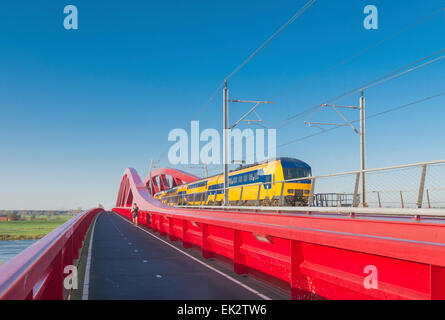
(37, 272)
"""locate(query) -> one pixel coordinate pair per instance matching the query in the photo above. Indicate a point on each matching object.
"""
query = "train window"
(296, 173)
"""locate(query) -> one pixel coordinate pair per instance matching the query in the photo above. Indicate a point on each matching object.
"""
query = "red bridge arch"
(133, 190)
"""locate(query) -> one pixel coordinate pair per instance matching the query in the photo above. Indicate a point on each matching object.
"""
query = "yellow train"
(253, 185)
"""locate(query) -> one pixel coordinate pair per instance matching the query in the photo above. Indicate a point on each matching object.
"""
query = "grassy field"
(31, 229)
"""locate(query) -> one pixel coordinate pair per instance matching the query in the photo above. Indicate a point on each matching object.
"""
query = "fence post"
(378, 197)
(401, 199)
(421, 187)
(240, 201)
(281, 194)
(428, 197)
(311, 194)
(258, 195)
(355, 203)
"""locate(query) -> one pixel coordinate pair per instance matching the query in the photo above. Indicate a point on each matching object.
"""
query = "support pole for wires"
(226, 142)
(363, 149)
(361, 133)
(227, 129)
(149, 177)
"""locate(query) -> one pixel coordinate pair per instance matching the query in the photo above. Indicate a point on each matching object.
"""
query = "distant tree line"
(14, 215)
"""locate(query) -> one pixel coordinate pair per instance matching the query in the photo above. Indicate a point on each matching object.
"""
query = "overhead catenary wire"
(305, 7)
(254, 53)
(315, 109)
(390, 76)
(366, 118)
(362, 52)
(354, 56)
(281, 29)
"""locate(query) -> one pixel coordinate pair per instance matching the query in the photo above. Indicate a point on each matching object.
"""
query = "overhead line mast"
(363, 149)
(226, 141)
(360, 132)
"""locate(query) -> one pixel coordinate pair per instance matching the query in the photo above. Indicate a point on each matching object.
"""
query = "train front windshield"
(296, 173)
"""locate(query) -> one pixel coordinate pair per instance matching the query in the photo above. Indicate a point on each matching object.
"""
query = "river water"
(10, 248)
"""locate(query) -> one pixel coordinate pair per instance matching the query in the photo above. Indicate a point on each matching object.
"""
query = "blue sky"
(78, 107)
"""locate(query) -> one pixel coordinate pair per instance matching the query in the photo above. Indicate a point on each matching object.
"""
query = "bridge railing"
(420, 185)
(314, 257)
(313, 251)
(37, 273)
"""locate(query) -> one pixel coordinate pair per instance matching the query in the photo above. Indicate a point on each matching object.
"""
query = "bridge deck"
(130, 263)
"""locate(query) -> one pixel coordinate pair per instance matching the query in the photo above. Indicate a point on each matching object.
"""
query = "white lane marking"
(86, 282)
(203, 263)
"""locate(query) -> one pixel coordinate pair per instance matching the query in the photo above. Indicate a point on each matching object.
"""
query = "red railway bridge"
(174, 253)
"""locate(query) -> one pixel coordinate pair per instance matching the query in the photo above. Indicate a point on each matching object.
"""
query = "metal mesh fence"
(410, 186)
(417, 186)
(397, 188)
(435, 187)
